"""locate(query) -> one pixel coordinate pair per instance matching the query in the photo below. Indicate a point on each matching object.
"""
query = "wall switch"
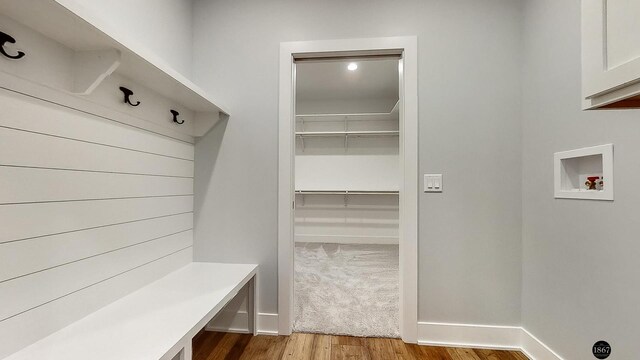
(432, 182)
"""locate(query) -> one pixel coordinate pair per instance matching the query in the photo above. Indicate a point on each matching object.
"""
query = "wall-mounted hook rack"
(127, 96)
(175, 117)
(6, 38)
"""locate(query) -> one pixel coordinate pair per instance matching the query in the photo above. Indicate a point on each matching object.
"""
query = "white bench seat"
(156, 322)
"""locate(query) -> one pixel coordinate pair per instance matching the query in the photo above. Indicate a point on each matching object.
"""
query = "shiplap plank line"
(31, 114)
(94, 171)
(25, 293)
(24, 221)
(94, 143)
(82, 106)
(24, 329)
(25, 185)
(96, 227)
(22, 148)
(19, 258)
(86, 200)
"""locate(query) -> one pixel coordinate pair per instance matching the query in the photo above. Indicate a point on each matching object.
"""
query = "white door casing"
(407, 48)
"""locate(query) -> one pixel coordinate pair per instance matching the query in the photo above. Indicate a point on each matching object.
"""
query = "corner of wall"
(485, 337)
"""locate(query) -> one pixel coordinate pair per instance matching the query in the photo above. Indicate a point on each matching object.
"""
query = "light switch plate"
(432, 182)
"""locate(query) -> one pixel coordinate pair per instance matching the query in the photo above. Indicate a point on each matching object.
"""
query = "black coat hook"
(175, 117)
(6, 38)
(127, 95)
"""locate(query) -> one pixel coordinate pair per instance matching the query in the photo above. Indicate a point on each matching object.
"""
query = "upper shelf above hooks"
(97, 51)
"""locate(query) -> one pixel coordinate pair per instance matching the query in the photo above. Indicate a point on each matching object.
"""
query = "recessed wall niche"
(585, 173)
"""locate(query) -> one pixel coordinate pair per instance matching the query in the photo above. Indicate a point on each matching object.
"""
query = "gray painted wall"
(163, 26)
(580, 262)
(470, 130)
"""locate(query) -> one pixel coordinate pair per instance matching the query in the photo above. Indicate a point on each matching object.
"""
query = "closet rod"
(344, 192)
(351, 133)
(340, 115)
(392, 112)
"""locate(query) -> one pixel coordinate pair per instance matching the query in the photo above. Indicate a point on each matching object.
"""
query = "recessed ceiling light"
(352, 66)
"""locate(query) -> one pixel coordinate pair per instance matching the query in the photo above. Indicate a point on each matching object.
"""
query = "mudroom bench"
(156, 322)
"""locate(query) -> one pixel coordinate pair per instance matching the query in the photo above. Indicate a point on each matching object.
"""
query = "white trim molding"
(498, 337)
(469, 336)
(236, 322)
(485, 337)
(407, 49)
(536, 349)
(268, 324)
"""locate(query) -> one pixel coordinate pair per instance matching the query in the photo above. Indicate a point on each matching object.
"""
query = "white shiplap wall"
(90, 210)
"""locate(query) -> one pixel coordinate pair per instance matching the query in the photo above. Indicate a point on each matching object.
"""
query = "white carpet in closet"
(347, 289)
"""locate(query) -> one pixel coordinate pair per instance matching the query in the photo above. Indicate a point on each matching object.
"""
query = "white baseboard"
(435, 334)
(484, 336)
(268, 324)
(236, 322)
(347, 239)
(536, 349)
(471, 336)
(229, 321)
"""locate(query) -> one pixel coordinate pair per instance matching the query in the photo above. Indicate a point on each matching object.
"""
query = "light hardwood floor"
(227, 346)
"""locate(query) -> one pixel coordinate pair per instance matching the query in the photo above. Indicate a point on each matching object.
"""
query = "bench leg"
(187, 352)
(252, 308)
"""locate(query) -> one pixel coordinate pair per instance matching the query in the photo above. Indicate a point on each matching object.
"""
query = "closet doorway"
(346, 258)
(348, 188)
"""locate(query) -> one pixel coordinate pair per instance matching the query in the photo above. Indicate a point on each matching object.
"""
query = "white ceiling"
(330, 80)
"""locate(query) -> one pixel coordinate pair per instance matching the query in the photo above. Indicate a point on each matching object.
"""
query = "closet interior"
(347, 191)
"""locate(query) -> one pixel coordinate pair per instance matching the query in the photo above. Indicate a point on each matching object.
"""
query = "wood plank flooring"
(227, 346)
